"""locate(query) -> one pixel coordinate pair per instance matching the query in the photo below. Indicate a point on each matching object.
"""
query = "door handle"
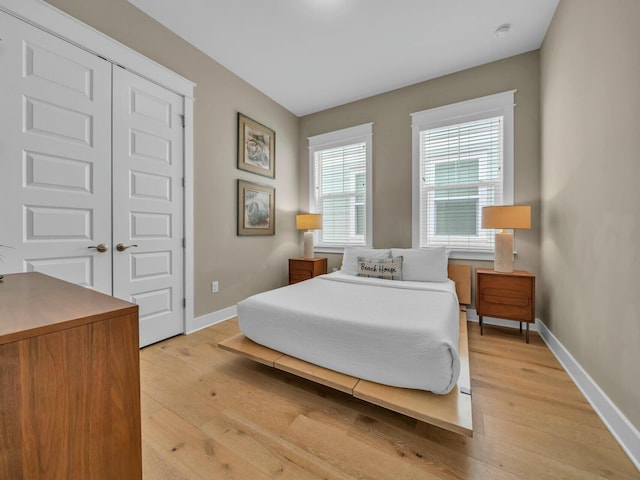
(102, 247)
(121, 247)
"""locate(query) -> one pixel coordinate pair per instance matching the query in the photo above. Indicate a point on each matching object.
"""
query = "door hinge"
(184, 183)
(184, 242)
(182, 120)
(184, 303)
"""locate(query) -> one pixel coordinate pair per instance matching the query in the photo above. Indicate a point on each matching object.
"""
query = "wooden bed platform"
(451, 411)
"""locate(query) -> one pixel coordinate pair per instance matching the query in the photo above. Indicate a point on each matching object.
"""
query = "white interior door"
(55, 157)
(80, 139)
(148, 203)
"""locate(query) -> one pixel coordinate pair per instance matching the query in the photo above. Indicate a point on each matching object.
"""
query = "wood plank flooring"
(208, 414)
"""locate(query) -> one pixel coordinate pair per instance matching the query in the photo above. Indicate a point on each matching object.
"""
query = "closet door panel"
(148, 203)
(55, 157)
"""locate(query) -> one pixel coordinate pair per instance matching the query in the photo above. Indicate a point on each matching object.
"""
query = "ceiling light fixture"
(502, 30)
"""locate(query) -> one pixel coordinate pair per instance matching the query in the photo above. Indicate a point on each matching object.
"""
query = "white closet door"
(148, 203)
(55, 157)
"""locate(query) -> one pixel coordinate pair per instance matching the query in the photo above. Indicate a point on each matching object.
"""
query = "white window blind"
(461, 173)
(340, 186)
(463, 162)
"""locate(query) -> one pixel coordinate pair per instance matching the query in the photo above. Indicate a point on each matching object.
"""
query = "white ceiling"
(310, 55)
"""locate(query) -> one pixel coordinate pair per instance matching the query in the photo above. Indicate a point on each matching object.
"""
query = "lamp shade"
(309, 221)
(507, 216)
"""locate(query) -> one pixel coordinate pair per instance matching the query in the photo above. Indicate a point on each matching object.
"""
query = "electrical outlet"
(215, 287)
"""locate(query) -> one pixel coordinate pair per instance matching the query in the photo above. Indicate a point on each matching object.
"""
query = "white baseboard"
(620, 427)
(472, 316)
(212, 318)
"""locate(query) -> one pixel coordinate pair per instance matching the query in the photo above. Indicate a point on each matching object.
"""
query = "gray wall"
(590, 92)
(390, 112)
(242, 265)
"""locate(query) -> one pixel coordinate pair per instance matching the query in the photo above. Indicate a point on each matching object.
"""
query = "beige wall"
(242, 265)
(590, 84)
(390, 112)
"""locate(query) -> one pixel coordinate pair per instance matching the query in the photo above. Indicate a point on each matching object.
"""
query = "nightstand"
(506, 295)
(305, 268)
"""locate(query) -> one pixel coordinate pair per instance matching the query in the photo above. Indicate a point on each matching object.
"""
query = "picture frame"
(256, 209)
(256, 147)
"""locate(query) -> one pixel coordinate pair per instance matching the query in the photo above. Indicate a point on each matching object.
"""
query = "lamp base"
(503, 261)
(308, 244)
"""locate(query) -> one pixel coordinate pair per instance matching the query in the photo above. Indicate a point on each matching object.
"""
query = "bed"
(398, 344)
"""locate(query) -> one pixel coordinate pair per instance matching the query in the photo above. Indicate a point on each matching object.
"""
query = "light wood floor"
(208, 414)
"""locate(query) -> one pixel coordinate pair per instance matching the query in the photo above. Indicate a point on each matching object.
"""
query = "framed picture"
(256, 209)
(256, 147)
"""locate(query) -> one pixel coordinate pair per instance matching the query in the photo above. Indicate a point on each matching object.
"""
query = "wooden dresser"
(69, 382)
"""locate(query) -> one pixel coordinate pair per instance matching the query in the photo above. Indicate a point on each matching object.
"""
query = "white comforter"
(403, 334)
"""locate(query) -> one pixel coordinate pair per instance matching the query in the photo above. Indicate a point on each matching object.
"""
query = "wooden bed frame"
(451, 411)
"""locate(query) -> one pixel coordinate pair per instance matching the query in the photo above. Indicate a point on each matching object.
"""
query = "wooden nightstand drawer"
(505, 286)
(501, 298)
(299, 275)
(515, 299)
(506, 307)
(301, 269)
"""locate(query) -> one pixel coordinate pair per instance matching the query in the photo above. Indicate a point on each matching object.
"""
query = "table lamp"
(506, 216)
(308, 222)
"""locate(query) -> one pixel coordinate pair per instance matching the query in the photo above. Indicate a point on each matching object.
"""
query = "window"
(462, 161)
(340, 187)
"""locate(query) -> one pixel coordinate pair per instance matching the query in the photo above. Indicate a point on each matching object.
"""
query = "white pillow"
(424, 264)
(351, 254)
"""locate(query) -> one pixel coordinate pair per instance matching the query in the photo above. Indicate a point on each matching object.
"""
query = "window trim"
(499, 104)
(339, 138)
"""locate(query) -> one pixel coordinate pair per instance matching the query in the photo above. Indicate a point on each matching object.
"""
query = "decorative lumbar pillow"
(423, 264)
(388, 268)
(351, 254)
